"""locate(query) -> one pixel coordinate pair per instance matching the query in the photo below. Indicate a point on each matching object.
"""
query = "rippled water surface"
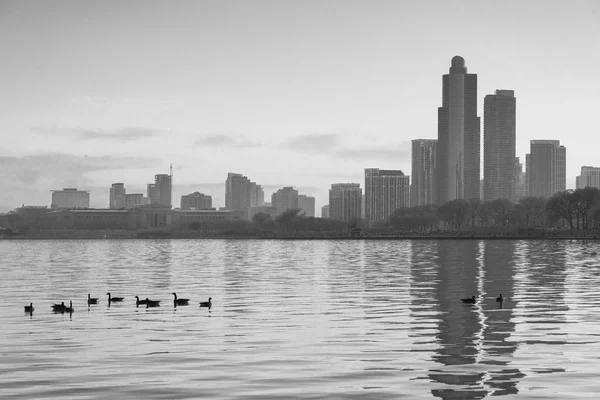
(301, 319)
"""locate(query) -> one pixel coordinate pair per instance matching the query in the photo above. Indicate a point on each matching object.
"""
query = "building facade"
(70, 198)
(547, 168)
(423, 187)
(284, 199)
(590, 176)
(196, 201)
(325, 211)
(307, 205)
(458, 148)
(241, 194)
(385, 192)
(160, 191)
(499, 146)
(117, 196)
(345, 201)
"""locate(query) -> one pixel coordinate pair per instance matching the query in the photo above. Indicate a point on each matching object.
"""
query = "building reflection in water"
(471, 340)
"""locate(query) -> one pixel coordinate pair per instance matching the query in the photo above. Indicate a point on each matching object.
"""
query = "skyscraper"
(458, 153)
(422, 187)
(385, 192)
(499, 146)
(307, 205)
(117, 196)
(345, 201)
(590, 176)
(547, 168)
(241, 194)
(284, 199)
(160, 191)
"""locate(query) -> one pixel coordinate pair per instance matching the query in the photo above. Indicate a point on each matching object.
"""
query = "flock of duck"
(63, 308)
(473, 300)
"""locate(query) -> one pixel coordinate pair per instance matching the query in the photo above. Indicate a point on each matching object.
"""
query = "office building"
(284, 199)
(241, 194)
(422, 188)
(547, 168)
(196, 201)
(590, 177)
(160, 191)
(70, 198)
(499, 146)
(458, 148)
(117, 196)
(385, 192)
(325, 211)
(345, 202)
(307, 205)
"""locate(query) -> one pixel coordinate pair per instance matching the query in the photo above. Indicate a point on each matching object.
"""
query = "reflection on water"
(300, 319)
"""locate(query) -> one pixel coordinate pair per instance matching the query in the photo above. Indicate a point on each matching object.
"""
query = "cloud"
(333, 145)
(225, 141)
(122, 134)
(313, 143)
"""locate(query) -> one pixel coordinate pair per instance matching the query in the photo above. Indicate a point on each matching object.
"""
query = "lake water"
(301, 319)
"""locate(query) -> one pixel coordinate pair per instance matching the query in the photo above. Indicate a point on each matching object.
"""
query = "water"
(301, 319)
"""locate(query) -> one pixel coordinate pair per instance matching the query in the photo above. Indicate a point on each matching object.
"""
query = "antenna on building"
(171, 170)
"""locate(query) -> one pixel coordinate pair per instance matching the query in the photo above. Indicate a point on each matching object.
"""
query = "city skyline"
(289, 94)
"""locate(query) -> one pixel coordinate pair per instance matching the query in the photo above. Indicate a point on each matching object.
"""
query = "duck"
(92, 300)
(180, 302)
(113, 299)
(69, 309)
(469, 301)
(59, 307)
(152, 303)
(500, 299)
(138, 301)
(206, 303)
(29, 308)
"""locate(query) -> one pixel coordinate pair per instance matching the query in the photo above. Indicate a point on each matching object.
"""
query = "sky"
(288, 93)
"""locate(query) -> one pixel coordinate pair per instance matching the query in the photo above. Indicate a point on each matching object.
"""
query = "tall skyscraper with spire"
(458, 151)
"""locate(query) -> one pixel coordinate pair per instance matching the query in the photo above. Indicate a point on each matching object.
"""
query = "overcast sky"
(296, 93)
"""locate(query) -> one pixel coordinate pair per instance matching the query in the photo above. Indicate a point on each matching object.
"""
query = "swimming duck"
(113, 299)
(152, 303)
(469, 301)
(92, 300)
(180, 302)
(500, 299)
(29, 308)
(206, 303)
(138, 301)
(59, 307)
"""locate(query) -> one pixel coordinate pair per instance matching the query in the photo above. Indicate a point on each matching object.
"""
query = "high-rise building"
(196, 201)
(70, 198)
(590, 176)
(385, 192)
(241, 194)
(499, 145)
(345, 201)
(307, 205)
(422, 189)
(284, 199)
(325, 211)
(117, 196)
(547, 168)
(458, 148)
(521, 181)
(160, 191)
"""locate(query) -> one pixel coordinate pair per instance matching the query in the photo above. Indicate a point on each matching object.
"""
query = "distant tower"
(590, 176)
(547, 168)
(160, 192)
(284, 199)
(345, 201)
(385, 192)
(499, 146)
(458, 152)
(422, 188)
